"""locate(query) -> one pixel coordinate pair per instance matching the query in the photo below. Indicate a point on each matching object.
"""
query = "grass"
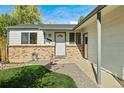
(35, 76)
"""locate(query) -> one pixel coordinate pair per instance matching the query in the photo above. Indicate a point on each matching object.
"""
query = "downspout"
(99, 47)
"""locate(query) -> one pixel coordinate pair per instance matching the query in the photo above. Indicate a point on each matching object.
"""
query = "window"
(28, 38)
(78, 38)
(86, 40)
(33, 38)
(24, 38)
(71, 38)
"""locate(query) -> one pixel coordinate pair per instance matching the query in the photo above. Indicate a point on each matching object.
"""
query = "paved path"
(71, 69)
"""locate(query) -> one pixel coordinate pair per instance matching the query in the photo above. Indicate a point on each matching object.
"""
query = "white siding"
(112, 41)
(92, 42)
(49, 37)
(40, 37)
(53, 36)
(15, 36)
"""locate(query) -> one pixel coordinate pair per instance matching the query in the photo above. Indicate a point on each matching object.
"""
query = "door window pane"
(33, 38)
(24, 38)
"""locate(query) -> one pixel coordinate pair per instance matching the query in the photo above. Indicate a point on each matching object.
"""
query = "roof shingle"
(44, 26)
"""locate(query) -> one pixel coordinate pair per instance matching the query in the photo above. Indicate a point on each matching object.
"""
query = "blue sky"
(59, 14)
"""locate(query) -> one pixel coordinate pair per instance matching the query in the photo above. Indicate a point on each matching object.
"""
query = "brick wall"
(74, 51)
(18, 54)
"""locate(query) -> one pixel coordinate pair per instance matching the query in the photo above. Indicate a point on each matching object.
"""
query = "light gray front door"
(60, 44)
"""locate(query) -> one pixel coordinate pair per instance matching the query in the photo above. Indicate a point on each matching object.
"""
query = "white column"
(99, 47)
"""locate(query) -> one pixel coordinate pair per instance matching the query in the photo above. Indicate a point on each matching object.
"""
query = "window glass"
(24, 38)
(33, 38)
(78, 38)
(86, 41)
(71, 38)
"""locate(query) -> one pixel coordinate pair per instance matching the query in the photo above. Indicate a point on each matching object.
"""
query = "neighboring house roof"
(44, 26)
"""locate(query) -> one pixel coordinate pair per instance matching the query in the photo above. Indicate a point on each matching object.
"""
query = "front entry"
(85, 40)
(60, 44)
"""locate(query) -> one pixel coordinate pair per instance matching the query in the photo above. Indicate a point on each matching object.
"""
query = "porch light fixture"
(49, 35)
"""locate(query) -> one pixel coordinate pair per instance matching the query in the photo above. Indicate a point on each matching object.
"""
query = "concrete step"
(59, 57)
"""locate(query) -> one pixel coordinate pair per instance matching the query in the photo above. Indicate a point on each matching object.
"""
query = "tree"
(5, 20)
(25, 14)
(22, 14)
(80, 19)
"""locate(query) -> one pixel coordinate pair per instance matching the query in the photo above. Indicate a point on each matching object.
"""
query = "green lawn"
(34, 76)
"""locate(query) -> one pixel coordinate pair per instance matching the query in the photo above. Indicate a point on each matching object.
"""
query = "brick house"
(99, 38)
(44, 40)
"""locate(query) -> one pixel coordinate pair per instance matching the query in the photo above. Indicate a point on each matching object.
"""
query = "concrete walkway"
(72, 70)
(80, 70)
(107, 80)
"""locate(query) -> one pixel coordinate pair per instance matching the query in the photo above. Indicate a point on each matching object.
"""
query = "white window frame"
(75, 37)
(21, 37)
(28, 36)
(69, 38)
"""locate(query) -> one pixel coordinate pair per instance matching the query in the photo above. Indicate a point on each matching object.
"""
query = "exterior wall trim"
(99, 50)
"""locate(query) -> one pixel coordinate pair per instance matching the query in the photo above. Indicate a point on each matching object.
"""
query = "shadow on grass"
(26, 78)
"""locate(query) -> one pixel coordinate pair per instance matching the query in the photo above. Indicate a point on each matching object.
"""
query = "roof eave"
(21, 28)
(97, 9)
(57, 29)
